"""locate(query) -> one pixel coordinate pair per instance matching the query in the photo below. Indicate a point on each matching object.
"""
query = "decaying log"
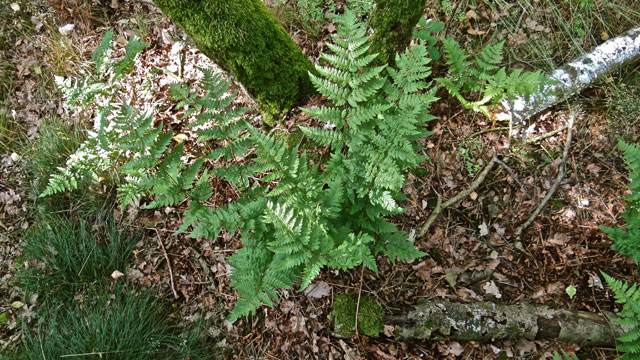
(574, 76)
(486, 322)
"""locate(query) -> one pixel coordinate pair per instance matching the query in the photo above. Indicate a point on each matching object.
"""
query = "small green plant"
(483, 78)
(451, 11)
(629, 296)
(467, 151)
(626, 240)
(424, 31)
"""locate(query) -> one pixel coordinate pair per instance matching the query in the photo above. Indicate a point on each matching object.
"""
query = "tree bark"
(246, 40)
(438, 319)
(486, 322)
(393, 22)
(574, 76)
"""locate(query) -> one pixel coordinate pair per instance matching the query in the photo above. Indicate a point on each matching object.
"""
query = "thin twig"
(461, 195)
(166, 257)
(561, 172)
(515, 176)
(358, 302)
(203, 263)
(501, 128)
(547, 135)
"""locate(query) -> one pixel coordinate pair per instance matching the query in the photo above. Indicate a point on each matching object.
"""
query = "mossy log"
(574, 77)
(393, 22)
(246, 40)
(487, 322)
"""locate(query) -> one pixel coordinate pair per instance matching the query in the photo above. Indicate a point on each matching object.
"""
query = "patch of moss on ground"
(294, 139)
(344, 315)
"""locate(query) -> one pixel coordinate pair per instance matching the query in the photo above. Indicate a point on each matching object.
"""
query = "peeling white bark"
(574, 77)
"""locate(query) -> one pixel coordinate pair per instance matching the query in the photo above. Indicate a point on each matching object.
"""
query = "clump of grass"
(81, 311)
(9, 129)
(56, 141)
(114, 325)
(68, 256)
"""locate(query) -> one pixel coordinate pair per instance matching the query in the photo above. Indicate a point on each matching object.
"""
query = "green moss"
(513, 331)
(245, 39)
(419, 172)
(393, 22)
(344, 315)
(294, 139)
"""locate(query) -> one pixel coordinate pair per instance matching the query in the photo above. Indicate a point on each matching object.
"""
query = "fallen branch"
(556, 185)
(547, 135)
(461, 195)
(166, 257)
(574, 77)
(485, 321)
(514, 176)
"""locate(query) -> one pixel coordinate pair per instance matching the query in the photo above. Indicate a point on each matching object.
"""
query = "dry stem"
(166, 257)
(561, 172)
(461, 195)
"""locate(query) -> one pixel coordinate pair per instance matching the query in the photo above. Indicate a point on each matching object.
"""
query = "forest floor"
(563, 248)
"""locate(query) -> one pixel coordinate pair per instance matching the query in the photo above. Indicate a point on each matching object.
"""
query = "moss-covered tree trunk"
(393, 22)
(246, 40)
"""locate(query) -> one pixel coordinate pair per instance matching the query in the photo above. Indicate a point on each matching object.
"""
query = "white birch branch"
(574, 76)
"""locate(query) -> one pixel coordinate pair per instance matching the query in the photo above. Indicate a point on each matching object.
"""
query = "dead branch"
(461, 195)
(166, 257)
(514, 175)
(561, 172)
(547, 135)
(486, 321)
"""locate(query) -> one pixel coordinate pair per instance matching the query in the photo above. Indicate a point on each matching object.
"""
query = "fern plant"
(294, 217)
(629, 296)
(627, 240)
(483, 78)
(101, 87)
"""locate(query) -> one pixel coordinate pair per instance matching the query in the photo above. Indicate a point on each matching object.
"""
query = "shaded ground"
(563, 247)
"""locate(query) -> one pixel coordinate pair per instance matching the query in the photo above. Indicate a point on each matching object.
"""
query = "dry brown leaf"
(473, 31)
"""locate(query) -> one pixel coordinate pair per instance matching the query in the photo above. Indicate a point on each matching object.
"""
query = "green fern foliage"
(293, 216)
(627, 240)
(99, 87)
(629, 296)
(483, 79)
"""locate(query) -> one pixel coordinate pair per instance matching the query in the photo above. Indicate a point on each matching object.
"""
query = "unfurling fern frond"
(629, 296)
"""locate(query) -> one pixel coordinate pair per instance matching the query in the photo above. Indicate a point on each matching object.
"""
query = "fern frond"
(626, 240)
(629, 296)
